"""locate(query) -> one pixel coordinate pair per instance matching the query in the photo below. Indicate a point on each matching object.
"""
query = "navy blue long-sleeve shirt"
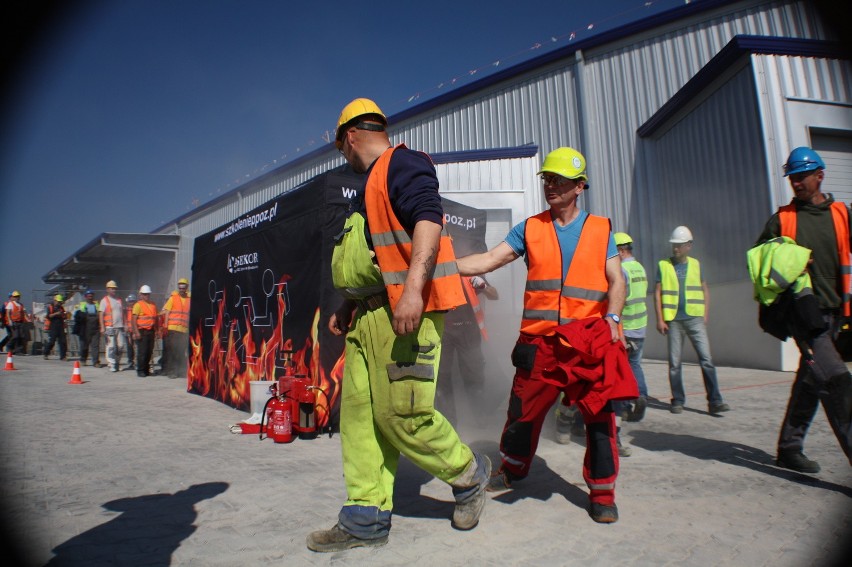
(412, 189)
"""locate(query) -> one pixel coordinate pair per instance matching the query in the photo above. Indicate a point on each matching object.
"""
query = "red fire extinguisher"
(279, 421)
(307, 413)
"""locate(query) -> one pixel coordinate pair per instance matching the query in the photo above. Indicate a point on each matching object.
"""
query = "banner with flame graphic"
(262, 293)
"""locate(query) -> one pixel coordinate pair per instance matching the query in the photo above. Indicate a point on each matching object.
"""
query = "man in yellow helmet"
(176, 331)
(635, 320)
(54, 321)
(395, 266)
(113, 325)
(574, 295)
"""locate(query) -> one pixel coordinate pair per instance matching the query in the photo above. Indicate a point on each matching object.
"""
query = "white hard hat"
(145, 289)
(681, 235)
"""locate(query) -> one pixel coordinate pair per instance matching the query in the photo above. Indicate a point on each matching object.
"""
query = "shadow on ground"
(542, 484)
(148, 530)
(727, 452)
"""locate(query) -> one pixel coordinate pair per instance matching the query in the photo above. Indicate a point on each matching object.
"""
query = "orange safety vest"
(50, 311)
(108, 312)
(17, 314)
(473, 299)
(179, 313)
(148, 317)
(550, 302)
(840, 216)
(392, 245)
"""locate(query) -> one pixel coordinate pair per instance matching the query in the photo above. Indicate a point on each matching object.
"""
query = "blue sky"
(122, 115)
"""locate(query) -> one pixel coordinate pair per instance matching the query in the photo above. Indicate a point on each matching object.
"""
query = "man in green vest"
(634, 319)
(682, 303)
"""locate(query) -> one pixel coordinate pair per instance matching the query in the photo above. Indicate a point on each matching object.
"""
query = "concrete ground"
(123, 470)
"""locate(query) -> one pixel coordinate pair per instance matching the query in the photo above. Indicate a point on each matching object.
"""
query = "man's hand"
(339, 321)
(408, 312)
(613, 327)
(662, 328)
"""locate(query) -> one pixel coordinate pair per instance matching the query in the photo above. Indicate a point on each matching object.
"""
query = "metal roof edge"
(738, 46)
(527, 150)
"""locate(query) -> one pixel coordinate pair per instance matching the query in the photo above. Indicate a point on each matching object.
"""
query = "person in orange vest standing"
(176, 331)
(816, 221)
(112, 324)
(574, 285)
(395, 266)
(464, 331)
(54, 324)
(16, 315)
(143, 323)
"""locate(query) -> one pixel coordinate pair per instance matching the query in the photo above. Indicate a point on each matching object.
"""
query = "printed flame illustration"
(224, 374)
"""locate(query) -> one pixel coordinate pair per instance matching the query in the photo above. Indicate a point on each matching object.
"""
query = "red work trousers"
(529, 403)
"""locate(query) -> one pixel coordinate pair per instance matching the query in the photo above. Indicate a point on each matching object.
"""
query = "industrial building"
(684, 118)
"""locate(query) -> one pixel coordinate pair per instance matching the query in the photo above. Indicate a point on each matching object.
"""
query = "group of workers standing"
(128, 326)
(581, 337)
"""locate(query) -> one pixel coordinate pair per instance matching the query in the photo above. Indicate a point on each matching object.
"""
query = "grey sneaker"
(563, 428)
(603, 514)
(624, 450)
(470, 501)
(335, 539)
(676, 408)
(719, 408)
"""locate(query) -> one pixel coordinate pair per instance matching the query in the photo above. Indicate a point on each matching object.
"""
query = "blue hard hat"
(88, 291)
(802, 159)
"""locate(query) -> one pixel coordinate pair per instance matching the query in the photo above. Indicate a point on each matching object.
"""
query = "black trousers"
(90, 341)
(56, 334)
(822, 377)
(461, 342)
(144, 350)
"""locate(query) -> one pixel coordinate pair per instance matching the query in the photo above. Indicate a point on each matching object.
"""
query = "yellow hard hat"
(16, 293)
(111, 283)
(58, 297)
(355, 109)
(567, 162)
(183, 281)
(622, 238)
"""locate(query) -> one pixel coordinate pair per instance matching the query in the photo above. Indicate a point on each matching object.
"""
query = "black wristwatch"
(614, 317)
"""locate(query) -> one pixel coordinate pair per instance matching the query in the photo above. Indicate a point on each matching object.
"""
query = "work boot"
(719, 408)
(499, 481)
(795, 460)
(335, 539)
(638, 411)
(470, 500)
(624, 450)
(602, 513)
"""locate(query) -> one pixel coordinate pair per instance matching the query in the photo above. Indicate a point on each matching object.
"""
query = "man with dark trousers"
(816, 221)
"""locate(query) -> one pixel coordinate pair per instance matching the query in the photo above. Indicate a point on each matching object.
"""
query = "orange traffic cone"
(10, 364)
(75, 376)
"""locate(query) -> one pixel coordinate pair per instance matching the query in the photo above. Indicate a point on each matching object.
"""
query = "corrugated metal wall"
(623, 85)
(707, 173)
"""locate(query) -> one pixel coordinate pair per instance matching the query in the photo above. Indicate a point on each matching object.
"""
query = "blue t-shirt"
(568, 237)
(680, 272)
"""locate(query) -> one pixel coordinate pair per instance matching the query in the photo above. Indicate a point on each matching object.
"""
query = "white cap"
(145, 289)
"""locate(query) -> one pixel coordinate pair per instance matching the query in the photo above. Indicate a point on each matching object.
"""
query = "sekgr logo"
(243, 262)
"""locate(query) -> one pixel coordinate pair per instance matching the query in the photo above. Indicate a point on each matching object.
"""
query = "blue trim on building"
(525, 151)
(735, 49)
